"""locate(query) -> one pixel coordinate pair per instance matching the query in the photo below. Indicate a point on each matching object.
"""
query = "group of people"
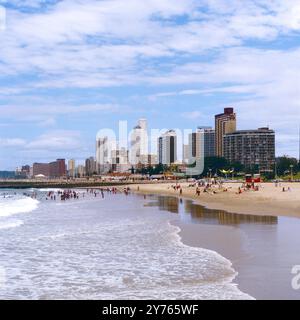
(207, 187)
(285, 190)
(64, 195)
(248, 187)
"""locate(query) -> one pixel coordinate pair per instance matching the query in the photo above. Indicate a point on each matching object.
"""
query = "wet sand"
(262, 249)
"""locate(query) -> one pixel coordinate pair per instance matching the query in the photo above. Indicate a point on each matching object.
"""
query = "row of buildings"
(54, 169)
(247, 147)
(58, 169)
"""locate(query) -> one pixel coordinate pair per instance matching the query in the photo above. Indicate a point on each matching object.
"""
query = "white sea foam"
(99, 251)
(50, 190)
(13, 205)
(10, 224)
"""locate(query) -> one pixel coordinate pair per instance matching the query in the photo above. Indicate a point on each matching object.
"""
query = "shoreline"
(269, 201)
(246, 241)
(58, 184)
(223, 240)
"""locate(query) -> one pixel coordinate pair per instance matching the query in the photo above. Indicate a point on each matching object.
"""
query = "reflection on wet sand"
(204, 215)
(222, 217)
(170, 204)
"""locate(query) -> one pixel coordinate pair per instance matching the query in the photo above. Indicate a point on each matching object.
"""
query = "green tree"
(284, 163)
(215, 164)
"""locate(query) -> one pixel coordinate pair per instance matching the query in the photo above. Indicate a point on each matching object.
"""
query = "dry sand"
(269, 200)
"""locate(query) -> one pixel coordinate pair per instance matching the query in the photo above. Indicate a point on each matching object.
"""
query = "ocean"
(119, 247)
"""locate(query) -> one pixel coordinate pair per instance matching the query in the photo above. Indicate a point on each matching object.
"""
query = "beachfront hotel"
(224, 123)
(251, 147)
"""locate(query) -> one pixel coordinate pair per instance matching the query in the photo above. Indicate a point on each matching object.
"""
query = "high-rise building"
(58, 168)
(209, 136)
(41, 169)
(149, 160)
(224, 123)
(185, 153)
(167, 148)
(251, 148)
(138, 142)
(55, 169)
(80, 171)
(201, 144)
(71, 168)
(110, 157)
(23, 172)
(104, 150)
(90, 166)
(119, 160)
(160, 150)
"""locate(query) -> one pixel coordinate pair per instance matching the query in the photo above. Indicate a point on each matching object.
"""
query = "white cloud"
(104, 43)
(11, 142)
(208, 47)
(56, 141)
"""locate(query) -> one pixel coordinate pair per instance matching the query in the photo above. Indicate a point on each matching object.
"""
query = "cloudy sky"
(71, 67)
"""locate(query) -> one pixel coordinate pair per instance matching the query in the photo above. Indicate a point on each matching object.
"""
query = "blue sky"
(71, 67)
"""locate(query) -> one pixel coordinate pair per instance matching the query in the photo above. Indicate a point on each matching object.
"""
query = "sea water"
(94, 248)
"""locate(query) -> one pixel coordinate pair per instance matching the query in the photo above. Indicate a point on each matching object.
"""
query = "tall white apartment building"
(138, 143)
(110, 157)
(104, 148)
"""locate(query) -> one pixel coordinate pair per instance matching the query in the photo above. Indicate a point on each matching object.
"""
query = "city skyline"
(124, 152)
(69, 68)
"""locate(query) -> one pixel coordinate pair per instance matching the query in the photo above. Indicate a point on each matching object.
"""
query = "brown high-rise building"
(224, 123)
(58, 168)
(41, 169)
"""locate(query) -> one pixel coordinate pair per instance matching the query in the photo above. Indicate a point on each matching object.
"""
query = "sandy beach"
(244, 228)
(269, 200)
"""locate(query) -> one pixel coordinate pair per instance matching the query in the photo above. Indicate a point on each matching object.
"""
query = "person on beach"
(198, 191)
